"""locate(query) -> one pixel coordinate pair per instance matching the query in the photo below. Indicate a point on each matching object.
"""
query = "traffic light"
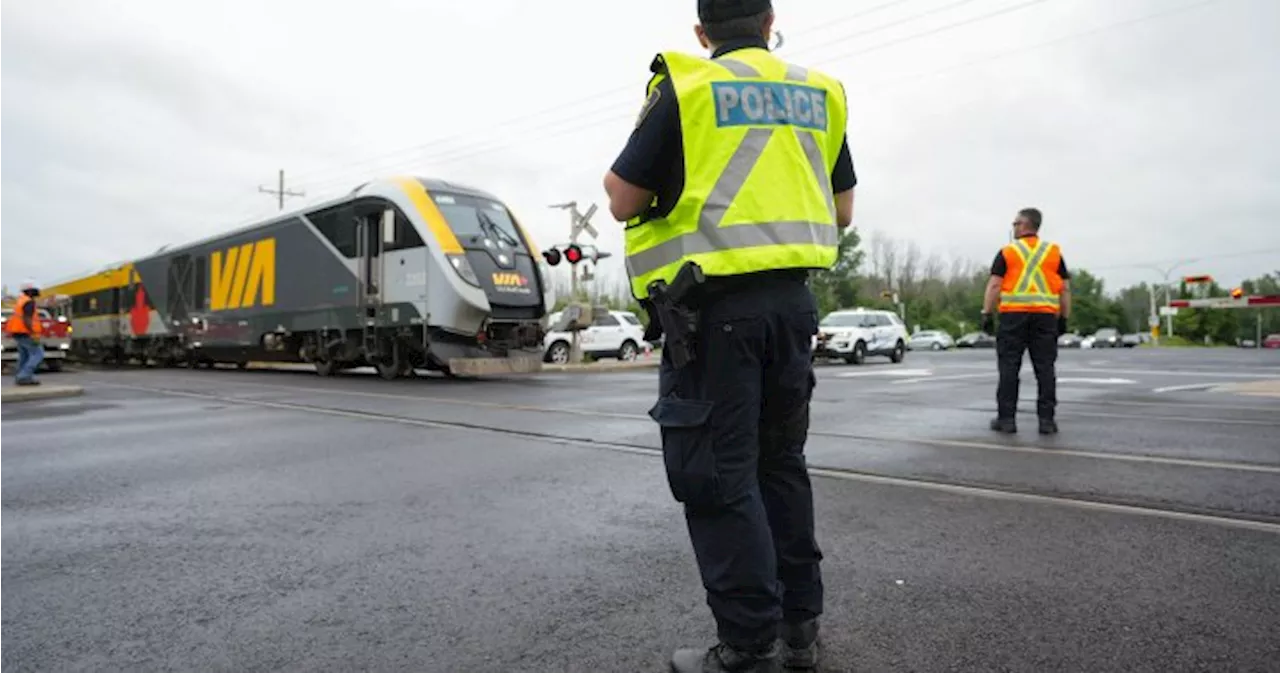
(1237, 293)
(573, 253)
(552, 256)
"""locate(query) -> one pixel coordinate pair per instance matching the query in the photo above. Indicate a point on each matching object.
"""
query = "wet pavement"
(245, 520)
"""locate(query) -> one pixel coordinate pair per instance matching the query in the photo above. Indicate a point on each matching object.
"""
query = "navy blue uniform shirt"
(654, 156)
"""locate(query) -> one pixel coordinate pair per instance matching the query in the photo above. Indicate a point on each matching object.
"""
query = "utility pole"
(280, 192)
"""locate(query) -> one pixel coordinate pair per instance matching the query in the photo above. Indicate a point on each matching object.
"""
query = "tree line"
(938, 293)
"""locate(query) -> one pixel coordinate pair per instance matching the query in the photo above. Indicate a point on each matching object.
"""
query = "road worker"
(1029, 282)
(25, 327)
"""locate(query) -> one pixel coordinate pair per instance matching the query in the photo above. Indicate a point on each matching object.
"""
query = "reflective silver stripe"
(737, 67)
(735, 237)
(1031, 267)
(809, 142)
(1029, 299)
(732, 179)
(811, 150)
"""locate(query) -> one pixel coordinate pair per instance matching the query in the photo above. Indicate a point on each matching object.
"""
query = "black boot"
(800, 646)
(1048, 426)
(1005, 425)
(724, 658)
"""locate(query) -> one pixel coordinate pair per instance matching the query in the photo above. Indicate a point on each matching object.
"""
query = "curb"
(602, 368)
(42, 392)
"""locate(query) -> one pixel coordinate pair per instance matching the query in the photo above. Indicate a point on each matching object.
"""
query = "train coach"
(399, 274)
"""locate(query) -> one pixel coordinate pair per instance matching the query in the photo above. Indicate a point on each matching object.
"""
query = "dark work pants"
(734, 423)
(1037, 333)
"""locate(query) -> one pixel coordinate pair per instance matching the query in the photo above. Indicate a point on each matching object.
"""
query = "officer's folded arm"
(625, 199)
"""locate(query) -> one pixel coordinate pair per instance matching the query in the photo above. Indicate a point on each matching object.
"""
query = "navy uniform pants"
(1036, 333)
(734, 423)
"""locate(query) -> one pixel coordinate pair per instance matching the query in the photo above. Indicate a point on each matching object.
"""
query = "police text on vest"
(756, 103)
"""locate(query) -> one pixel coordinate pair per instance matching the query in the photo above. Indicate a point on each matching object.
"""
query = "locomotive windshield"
(476, 219)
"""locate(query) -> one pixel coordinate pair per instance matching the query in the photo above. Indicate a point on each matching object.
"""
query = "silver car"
(936, 340)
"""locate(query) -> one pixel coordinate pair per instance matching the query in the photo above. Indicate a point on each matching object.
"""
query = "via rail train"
(399, 274)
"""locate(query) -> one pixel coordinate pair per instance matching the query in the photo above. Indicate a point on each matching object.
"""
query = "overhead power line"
(492, 145)
(516, 121)
(466, 152)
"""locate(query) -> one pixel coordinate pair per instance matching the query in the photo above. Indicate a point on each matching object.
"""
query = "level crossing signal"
(573, 254)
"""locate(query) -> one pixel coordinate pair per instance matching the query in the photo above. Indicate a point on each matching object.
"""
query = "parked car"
(613, 334)
(853, 334)
(55, 338)
(1070, 340)
(936, 340)
(1107, 337)
(1272, 341)
(976, 340)
(1135, 339)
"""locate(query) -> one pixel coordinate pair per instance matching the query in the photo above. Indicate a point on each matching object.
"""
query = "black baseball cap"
(715, 11)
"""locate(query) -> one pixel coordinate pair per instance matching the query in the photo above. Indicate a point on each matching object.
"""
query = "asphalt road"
(247, 521)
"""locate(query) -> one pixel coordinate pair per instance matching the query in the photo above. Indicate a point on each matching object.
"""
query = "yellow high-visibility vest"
(761, 138)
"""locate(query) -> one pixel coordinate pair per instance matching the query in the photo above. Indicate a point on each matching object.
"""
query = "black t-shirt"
(999, 267)
(654, 156)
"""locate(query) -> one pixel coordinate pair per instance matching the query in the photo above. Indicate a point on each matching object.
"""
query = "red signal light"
(1237, 293)
(573, 254)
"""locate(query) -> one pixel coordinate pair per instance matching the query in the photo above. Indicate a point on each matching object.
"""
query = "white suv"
(614, 334)
(854, 334)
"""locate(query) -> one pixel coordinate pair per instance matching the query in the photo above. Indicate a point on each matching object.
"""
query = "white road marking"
(886, 372)
(1073, 453)
(951, 377)
(1139, 372)
(978, 491)
(975, 491)
(1189, 386)
(1112, 381)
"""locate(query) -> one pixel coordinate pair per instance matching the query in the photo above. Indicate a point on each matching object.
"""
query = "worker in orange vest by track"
(1029, 282)
(24, 325)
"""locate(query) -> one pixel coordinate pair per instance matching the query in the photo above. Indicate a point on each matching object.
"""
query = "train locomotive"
(399, 274)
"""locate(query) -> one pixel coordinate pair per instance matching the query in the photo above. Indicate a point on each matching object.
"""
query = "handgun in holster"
(670, 313)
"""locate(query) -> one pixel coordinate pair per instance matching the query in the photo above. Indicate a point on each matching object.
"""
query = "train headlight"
(463, 267)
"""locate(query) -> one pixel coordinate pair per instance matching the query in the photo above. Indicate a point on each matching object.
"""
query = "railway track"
(1108, 503)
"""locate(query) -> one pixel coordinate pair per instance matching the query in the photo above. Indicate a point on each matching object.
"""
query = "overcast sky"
(131, 125)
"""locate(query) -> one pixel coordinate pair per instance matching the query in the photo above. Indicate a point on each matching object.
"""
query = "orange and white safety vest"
(1031, 282)
(16, 325)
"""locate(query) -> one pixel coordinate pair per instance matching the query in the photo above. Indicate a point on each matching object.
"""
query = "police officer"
(1029, 279)
(25, 327)
(739, 164)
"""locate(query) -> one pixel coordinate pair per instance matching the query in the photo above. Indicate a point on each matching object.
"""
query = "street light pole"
(1165, 273)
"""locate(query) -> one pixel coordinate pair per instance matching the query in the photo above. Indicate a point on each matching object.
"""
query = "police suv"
(853, 334)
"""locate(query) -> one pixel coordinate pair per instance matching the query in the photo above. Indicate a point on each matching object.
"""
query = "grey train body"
(398, 274)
